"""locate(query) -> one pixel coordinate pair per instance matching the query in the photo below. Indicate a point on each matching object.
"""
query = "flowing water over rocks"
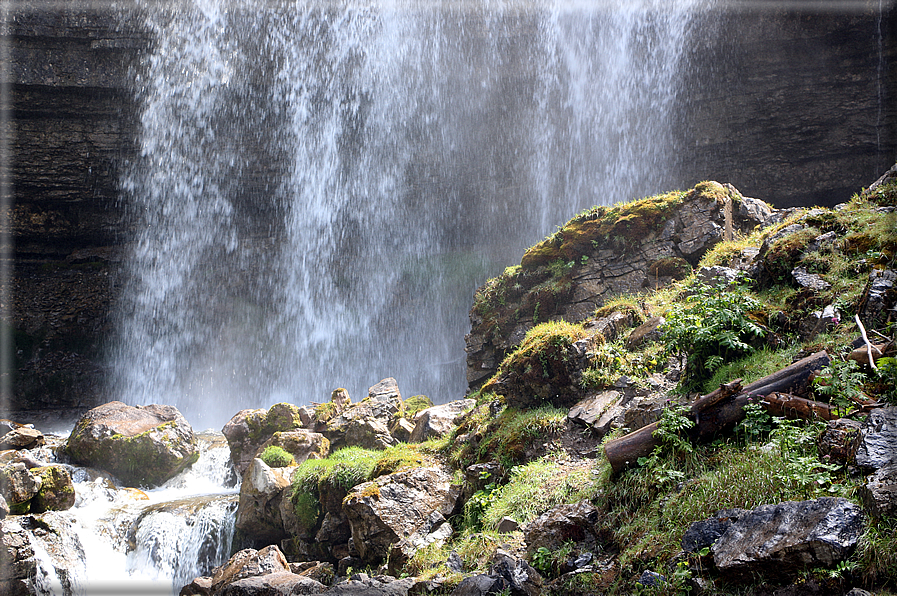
(124, 540)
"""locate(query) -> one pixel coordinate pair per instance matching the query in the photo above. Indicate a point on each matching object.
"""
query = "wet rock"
(880, 297)
(879, 494)
(647, 331)
(361, 585)
(878, 445)
(810, 281)
(435, 530)
(705, 533)
(56, 493)
(401, 430)
(200, 586)
(273, 584)
(780, 541)
(39, 554)
(22, 437)
(437, 421)
(396, 506)
(18, 485)
(248, 430)
(839, 440)
(573, 522)
(597, 411)
(261, 494)
(4, 507)
(140, 445)
(611, 326)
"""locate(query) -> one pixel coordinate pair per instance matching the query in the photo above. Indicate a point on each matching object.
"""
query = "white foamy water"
(126, 541)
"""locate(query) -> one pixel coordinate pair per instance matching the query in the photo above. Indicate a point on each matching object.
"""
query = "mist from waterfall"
(321, 187)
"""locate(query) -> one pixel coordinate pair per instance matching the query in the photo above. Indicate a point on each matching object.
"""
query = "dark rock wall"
(70, 126)
(792, 107)
(796, 107)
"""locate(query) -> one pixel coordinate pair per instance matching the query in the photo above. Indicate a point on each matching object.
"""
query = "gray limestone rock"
(437, 421)
(573, 522)
(879, 494)
(878, 446)
(779, 541)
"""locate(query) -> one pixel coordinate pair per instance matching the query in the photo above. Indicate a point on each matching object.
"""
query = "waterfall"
(322, 185)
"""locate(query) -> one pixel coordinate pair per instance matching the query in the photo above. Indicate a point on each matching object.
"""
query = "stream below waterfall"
(123, 540)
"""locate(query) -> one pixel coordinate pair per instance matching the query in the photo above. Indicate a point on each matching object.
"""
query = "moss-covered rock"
(140, 445)
(249, 430)
(57, 492)
(600, 254)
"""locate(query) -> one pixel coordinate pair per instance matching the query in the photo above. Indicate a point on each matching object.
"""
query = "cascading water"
(118, 540)
(322, 186)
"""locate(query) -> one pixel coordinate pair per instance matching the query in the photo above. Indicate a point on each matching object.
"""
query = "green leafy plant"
(887, 379)
(757, 423)
(710, 327)
(842, 383)
(673, 444)
(277, 457)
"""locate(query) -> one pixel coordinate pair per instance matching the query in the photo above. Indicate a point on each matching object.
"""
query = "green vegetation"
(277, 457)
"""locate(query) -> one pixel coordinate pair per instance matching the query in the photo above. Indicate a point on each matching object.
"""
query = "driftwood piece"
(718, 411)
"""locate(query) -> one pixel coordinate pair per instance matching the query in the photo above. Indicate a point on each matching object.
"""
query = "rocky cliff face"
(70, 133)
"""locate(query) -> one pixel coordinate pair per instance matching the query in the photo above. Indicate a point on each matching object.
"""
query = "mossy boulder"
(140, 445)
(543, 370)
(249, 430)
(57, 492)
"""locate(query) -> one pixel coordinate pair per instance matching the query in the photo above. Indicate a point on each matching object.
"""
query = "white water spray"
(322, 186)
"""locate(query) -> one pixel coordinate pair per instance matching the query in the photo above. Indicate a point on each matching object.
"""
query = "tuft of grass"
(536, 487)
(277, 457)
(511, 435)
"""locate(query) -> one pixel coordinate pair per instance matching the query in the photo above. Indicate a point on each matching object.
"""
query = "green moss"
(539, 370)
(415, 404)
(398, 457)
(510, 436)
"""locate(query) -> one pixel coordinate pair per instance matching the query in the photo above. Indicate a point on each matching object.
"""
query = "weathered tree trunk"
(718, 411)
(792, 406)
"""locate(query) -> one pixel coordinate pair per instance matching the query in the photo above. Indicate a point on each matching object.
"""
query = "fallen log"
(718, 411)
(792, 406)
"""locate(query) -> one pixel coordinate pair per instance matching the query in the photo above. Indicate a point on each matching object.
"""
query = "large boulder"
(391, 508)
(780, 541)
(23, 437)
(271, 584)
(18, 486)
(438, 421)
(248, 430)
(140, 445)
(366, 424)
(261, 494)
(879, 494)
(301, 444)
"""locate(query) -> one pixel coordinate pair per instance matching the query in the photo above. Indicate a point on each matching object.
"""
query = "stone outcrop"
(437, 421)
(56, 493)
(780, 541)
(249, 430)
(394, 507)
(142, 445)
(506, 574)
(37, 553)
(19, 485)
(261, 493)
(603, 253)
(366, 424)
(878, 445)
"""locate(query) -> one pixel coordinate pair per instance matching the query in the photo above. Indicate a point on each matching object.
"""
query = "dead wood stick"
(866, 339)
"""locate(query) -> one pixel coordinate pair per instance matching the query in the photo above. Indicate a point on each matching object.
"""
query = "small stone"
(508, 525)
